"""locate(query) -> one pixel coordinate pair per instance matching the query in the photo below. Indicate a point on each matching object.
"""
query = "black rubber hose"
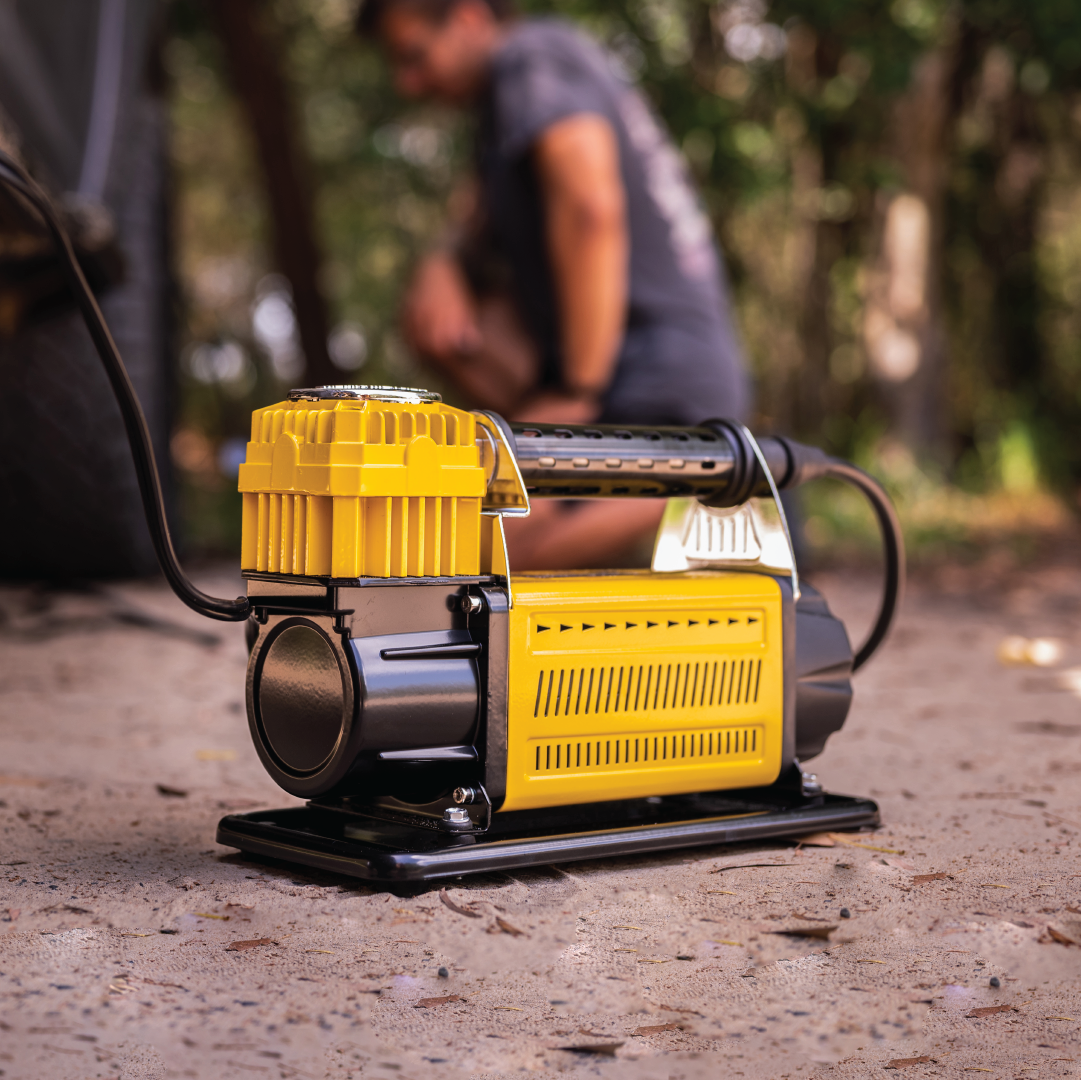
(14, 177)
(893, 550)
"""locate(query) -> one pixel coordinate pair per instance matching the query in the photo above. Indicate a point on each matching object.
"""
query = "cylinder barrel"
(714, 462)
(577, 461)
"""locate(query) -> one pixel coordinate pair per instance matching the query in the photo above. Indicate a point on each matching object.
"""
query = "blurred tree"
(252, 54)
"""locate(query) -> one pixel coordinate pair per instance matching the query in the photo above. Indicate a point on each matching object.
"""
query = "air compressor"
(442, 715)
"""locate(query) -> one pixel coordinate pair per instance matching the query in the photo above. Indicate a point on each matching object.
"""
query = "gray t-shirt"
(680, 361)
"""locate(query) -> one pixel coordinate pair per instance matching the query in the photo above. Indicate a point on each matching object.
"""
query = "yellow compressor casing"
(351, 488)
(631, 684)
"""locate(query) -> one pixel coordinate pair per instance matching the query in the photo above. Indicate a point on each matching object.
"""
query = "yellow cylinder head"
(362, 481)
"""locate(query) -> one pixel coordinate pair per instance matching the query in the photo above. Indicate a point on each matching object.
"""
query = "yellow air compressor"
(442, 715)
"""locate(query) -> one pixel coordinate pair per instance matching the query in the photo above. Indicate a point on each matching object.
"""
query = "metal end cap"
(397, 395)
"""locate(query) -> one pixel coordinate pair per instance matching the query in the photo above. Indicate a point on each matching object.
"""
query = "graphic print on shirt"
(670, 188)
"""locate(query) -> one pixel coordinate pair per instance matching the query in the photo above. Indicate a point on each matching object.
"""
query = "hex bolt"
(472, 605)
(456, 815)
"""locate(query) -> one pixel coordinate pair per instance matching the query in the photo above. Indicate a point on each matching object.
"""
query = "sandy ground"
(117, 909)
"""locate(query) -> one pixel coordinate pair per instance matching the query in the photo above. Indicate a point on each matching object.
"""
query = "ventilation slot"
(620, 751)
(640, 688)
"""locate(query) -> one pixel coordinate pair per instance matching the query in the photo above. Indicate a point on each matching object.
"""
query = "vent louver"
(642, 688)
(620, 751)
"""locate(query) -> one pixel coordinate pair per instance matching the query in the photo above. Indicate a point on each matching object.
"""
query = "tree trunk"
(253, 57)
(905, 322)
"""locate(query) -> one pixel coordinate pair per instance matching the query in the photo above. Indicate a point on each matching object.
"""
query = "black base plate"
(348, 842)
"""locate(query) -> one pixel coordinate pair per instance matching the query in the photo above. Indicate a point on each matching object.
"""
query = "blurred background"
(896, 188)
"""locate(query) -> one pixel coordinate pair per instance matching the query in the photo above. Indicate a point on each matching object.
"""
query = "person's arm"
(577, 162)
(439, 316)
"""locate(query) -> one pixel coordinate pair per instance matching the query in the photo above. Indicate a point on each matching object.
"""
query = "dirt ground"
(117, 908)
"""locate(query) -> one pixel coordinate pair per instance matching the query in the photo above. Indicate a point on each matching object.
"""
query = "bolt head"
(456, 815)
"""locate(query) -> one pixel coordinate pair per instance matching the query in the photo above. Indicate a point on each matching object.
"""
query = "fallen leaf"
(992, 885)
(1065, 935)
(469, 912)
(171, 792)
(241, 946)
(606, 1049)
(738, 944)
(215, 755)
(624, 950)
(870, 961)
(818, 839)
(329, 952)
(821, 932)
(991, 1010)
(626, 928)
(643, 960)
(131, 933)
(507, 928)
(974, 1068)
(1073, 1018)
(507, 1008)
(656, 1029)
(431, 1003)
(207, 915)
(724, 892)
(919, 879)
(903, 1063)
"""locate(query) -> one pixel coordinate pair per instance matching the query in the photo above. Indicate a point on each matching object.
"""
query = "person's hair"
(371, 12)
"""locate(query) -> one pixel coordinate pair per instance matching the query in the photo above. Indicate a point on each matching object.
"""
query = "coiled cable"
(893, 551)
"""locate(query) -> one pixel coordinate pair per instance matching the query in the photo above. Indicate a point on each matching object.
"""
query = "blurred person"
(580, 282)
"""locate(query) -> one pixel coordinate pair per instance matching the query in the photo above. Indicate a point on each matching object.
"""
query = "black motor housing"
(823, 673)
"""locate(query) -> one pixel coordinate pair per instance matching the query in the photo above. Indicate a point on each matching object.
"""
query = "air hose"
(16, 179)
(792, 464)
